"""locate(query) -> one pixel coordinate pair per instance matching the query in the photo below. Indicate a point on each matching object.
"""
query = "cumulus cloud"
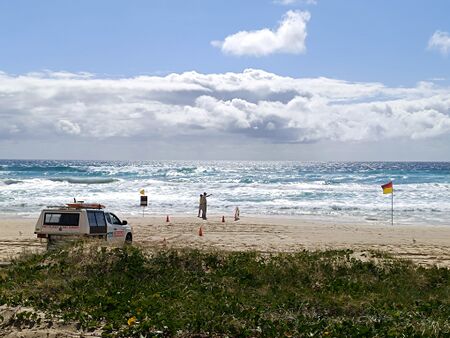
(253, 104)
(289, 37)
(440, 41)
(68, 127)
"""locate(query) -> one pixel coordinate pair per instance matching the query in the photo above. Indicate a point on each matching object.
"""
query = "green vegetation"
(188, 293)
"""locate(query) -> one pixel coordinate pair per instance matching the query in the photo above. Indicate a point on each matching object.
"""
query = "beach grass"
(189, 293)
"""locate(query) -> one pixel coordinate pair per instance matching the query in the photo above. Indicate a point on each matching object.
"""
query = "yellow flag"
(388, 188)
(142, 192)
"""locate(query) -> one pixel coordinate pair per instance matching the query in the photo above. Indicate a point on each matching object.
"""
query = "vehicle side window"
(91, 218)
(115, 220)
(66, 219)
(108, 219)
(100, 216)
(97, 222)
(96, 218)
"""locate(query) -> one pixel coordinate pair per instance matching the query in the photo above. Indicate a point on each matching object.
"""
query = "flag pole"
(388, 188)
(392, 206)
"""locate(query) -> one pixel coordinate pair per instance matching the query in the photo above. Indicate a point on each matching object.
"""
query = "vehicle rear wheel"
(51, 245)
(128, 239)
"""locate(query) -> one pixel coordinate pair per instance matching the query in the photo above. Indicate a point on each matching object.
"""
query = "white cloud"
(440, 41)
(294, 2)
(289, 37)
(253, 104)
(68, 127)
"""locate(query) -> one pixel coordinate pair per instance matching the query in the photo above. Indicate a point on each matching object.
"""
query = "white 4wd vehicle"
(82, 219)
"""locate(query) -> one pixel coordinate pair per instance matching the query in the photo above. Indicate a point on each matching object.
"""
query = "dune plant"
(189, 293)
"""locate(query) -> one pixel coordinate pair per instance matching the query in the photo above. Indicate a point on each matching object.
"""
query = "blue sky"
(359, 43)
(354, 40)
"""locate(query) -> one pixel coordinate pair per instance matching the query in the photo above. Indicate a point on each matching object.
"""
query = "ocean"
(333, 190)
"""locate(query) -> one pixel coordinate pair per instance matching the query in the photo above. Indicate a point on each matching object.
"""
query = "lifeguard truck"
(82, 219)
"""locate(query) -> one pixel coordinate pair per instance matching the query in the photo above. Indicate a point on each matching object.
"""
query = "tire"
(51, 245)
(55, 243)
(129, 239)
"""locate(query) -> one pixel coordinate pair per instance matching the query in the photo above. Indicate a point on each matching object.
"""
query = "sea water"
(333, 190)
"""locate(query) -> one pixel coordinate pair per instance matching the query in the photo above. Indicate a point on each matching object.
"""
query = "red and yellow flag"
(388, 188)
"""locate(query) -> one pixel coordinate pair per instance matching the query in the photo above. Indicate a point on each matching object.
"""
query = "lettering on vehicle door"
(118, 233)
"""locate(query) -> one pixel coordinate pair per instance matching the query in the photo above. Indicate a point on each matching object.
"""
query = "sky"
(310, 80)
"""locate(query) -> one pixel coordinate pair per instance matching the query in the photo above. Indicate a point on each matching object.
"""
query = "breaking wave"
(330, 189)
(9, 182)
(85, 180)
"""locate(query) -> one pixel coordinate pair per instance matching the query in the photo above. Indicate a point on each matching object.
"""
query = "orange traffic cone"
(223, 219)
(167, 218)
(200, 231)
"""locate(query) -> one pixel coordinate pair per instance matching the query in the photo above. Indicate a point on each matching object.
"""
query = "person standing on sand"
(204, 205)
(200, 204)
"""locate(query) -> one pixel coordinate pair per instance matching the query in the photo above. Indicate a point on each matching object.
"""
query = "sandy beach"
(425, 245)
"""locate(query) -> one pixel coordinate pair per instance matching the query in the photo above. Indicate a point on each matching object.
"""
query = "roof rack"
(85, 205)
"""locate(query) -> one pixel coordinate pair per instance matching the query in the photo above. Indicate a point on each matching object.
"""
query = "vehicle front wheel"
(128, 239)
